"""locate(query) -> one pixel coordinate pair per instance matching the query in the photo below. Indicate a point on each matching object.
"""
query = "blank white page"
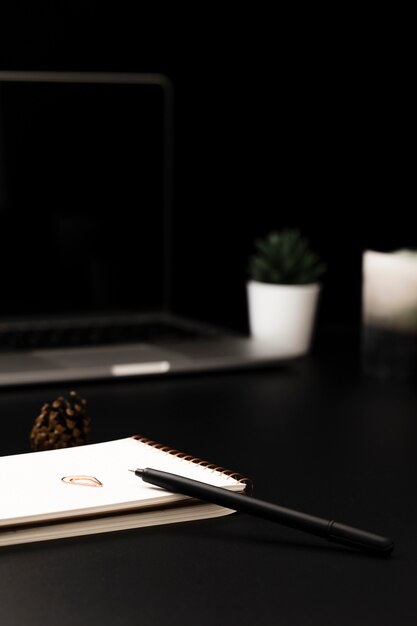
(31, 488)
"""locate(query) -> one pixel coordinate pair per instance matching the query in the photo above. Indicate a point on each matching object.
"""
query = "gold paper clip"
(85, 481)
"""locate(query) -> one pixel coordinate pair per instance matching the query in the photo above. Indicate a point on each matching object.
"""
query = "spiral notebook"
(88, 489)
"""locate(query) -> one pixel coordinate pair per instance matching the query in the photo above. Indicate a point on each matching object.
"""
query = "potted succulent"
(283, 290)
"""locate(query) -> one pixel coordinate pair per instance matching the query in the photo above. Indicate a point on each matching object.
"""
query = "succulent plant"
(285, 258)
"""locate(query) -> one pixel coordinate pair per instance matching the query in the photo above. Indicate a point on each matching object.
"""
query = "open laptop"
(85, 214)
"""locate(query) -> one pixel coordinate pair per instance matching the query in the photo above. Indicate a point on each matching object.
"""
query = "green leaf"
(285, 257)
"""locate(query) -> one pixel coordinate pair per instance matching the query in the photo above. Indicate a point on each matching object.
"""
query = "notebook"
(88, 489)
(86, 164)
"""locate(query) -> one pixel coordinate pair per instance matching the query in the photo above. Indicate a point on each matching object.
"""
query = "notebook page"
(92, 526)
(32, 490)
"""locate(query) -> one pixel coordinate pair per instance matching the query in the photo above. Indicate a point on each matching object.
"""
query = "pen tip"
(138, 472)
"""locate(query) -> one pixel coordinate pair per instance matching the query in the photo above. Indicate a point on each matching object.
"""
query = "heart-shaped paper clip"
(84, 481)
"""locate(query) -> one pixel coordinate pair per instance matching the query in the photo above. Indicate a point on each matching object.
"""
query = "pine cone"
(61, 424)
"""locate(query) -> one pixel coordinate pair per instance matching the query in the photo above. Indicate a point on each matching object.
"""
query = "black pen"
(328, 529)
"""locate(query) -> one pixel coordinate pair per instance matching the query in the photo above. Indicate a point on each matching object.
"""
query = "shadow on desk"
(238, 531)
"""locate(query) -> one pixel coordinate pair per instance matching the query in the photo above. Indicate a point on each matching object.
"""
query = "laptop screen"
(81, 197)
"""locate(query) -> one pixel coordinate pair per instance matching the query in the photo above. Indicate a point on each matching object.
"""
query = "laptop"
(86, 256)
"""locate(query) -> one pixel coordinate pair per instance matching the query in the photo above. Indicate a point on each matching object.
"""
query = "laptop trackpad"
(110, 356)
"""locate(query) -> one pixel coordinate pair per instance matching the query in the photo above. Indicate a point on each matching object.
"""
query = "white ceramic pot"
(284, 314)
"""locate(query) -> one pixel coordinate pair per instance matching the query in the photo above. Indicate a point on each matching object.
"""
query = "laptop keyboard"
(105, 334)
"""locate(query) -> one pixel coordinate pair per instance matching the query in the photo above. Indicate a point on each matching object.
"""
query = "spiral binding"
(193, 459)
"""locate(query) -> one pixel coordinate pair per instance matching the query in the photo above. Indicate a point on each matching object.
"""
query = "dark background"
(341, 84)
(324, 439)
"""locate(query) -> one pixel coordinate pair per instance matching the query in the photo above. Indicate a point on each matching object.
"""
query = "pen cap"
(355, 537)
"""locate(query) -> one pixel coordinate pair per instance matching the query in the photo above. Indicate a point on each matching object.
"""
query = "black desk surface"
(316, 436)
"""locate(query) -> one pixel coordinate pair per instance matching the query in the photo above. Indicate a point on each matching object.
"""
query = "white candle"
(389, 295)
